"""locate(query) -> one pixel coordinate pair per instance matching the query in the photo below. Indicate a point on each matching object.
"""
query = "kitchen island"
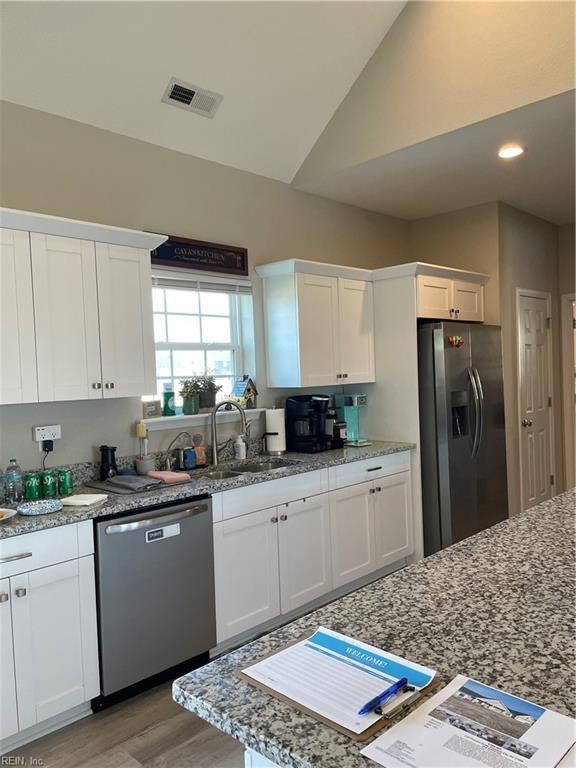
(498, 607)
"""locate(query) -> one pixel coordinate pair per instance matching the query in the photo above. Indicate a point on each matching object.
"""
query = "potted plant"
(208, 389)
(190, 393)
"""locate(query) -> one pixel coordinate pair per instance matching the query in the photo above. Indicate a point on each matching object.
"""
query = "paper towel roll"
(275, 423)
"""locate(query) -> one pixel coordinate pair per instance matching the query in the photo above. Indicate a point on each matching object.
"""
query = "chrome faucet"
(214, 431)
(178, 436)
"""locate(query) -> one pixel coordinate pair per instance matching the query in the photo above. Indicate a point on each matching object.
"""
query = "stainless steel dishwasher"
(155, 574)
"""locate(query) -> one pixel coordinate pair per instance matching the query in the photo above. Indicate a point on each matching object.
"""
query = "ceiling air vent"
(190, 97)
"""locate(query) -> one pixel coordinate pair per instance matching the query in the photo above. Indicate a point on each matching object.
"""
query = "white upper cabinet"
(126, 325)
(319, 323)
(356, 331)
(18, 375)
(66, 318)
(75, 313)
(444, 298)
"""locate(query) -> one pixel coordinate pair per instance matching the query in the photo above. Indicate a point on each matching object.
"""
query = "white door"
(126, 324)
(246, 572)
(435, 298)
(18, 378)
(534, 406)
(351, 533)
(318, 330)
(392, 519)
(8, 708)
(304, 547)
(468, 301)
(356, 331)
(66, 318)
(47, 619)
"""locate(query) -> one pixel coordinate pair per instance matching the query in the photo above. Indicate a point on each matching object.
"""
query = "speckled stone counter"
(200, 484)
(498, 607)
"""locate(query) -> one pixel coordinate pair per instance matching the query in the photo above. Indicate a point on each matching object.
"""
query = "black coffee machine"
(307, 430)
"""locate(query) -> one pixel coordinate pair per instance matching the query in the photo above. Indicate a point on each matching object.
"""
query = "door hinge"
(551, 479)
(550, 402)
(548, 322)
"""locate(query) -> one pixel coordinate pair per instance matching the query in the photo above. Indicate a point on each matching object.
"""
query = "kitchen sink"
(221, 474)
(264, 466)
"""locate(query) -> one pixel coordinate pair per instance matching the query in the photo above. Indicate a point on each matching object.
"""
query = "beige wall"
(528, 259)
(442, 66)
(566, 259)
(61, 167)
(465, 239)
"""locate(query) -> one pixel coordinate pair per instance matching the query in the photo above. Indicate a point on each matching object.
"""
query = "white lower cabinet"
(304, 547)
(48, 635)
(392, 504)
(8, 706)
(246, 572)
(351, 528)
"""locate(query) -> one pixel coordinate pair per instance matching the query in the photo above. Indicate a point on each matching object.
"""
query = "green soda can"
(49, 484)
(65, 481)
(32, 486)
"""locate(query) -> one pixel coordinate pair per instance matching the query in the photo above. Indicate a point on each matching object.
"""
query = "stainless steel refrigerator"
(463, 448)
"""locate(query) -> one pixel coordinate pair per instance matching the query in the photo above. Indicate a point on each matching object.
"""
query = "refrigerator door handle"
(481, 401)
(477, 416)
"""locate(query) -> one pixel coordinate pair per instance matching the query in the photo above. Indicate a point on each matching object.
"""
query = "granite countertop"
(200, 484)
(498, 607)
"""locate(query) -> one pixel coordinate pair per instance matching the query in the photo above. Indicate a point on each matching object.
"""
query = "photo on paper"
(491, 715)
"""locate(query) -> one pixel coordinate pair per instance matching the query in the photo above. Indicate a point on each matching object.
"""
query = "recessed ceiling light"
(510, 150)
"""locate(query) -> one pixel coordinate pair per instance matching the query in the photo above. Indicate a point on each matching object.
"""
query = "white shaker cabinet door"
(351, 533)
(468, 300)
(8, 707)
(246, 572)
(51, 662)
(435, 298)
(126, 323)
(18, 377)
(356, 331)
(66, 318)
(304, 546)
(318, 330)
(393, 518)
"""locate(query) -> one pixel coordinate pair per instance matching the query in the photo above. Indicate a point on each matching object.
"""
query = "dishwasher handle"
(160, 519)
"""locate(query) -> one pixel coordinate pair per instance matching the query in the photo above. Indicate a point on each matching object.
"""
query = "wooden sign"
(197, 254)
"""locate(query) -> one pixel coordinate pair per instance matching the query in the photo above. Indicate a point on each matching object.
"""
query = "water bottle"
(13, 483)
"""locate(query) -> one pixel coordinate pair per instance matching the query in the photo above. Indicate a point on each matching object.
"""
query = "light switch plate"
(51, 432)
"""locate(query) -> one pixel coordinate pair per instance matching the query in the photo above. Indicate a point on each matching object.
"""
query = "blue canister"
(189, 458)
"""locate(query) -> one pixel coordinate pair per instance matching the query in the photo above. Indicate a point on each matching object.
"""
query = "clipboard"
(380, 725)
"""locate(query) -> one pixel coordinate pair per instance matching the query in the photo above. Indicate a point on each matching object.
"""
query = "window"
(196, 332)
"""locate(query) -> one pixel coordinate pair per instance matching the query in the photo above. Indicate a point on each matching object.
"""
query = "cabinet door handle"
(338, 375)
(345, 376)
(273, 519)
(20, 592)
(457, 312)
(372, 490)
(283, 518)
(97, 385)
(11, 558)
(452, 311)
(4, 597)
(109, 385)
(378, 489)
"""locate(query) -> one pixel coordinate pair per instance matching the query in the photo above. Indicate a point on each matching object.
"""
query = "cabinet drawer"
(241, 501)
(29, 551)
(368, 469)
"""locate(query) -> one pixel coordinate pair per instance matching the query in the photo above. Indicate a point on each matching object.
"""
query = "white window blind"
(197, 328)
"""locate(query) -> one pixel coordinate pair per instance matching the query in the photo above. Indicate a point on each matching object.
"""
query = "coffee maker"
(306, 430)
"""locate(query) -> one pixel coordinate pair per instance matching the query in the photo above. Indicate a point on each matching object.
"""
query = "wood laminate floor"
(148, 731)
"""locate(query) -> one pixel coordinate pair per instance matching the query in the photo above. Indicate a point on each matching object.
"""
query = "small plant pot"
(190, 405)
(207, 400)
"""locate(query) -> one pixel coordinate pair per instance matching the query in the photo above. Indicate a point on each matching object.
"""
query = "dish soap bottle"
(239, 448)
(13, 483)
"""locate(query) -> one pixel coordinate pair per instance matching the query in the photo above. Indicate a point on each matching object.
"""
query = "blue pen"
(384, 696)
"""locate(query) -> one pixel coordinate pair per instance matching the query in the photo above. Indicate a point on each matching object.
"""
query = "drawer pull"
(20, 592)
(11, 558)
(373, 469)
(4, 597)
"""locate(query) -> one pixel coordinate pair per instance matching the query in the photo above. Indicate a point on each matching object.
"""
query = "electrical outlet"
(51, 432)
